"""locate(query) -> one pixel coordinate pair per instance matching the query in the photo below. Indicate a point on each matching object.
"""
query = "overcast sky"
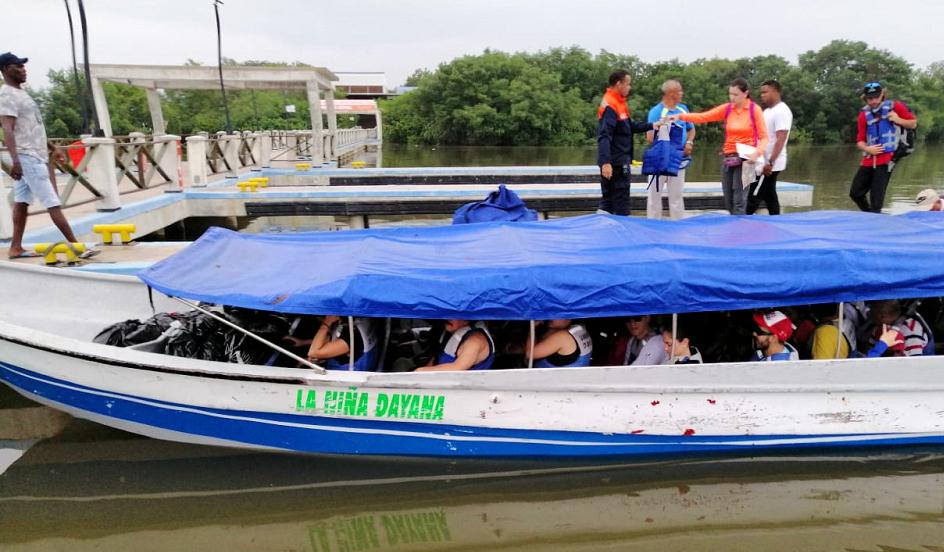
(399, 36)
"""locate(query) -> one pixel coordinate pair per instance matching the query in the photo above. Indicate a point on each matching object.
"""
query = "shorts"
(35, 184)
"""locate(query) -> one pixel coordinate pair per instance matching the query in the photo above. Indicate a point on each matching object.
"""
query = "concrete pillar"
(100, 171)
(331, 152)
(157, 116)
(101, 107)
(317, 127)
(166, 150)
(303, 145)
(256, 143)
(229, 143)
(357, 222)
(265, 150)
(6, 209)
(380, 134)
(291, 140)
(196, 160)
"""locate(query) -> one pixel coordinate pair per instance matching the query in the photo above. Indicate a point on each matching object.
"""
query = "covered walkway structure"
(316, 81)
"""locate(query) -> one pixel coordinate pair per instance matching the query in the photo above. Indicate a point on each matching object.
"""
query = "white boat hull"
(574, 412)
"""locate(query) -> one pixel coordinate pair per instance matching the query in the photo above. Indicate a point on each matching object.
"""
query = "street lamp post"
(219, 58)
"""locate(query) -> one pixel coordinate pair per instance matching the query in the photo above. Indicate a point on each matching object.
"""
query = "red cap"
(776, 323)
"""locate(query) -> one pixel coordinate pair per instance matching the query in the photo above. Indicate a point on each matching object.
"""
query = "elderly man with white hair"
(671, 104)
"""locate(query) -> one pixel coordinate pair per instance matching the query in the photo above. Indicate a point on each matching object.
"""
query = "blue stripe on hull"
(317, 434)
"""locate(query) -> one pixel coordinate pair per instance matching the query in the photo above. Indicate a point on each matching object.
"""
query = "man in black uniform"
(615, 144)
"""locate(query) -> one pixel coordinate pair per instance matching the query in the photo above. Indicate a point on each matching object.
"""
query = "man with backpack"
(682, 136)
(883, 139)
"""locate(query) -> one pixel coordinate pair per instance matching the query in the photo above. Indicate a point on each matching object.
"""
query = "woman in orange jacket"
(743, 124)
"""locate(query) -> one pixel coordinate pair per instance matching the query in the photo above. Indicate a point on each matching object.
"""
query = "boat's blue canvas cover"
(576, 267)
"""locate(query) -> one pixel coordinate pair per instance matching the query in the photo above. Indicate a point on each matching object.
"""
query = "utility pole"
(219, 58)
(83, 99)
(88, 71)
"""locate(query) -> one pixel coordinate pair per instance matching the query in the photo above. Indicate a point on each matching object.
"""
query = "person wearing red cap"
(770, 337)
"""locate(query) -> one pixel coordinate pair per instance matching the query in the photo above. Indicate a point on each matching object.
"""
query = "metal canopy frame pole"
(306, 362)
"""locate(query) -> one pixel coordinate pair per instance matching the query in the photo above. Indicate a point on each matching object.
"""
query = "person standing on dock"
(25, 139)
(779, 120)
(743, 124)
(878, 140)
(615, 144)
(671, 104)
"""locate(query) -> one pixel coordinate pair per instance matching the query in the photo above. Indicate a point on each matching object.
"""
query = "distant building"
(368, 85)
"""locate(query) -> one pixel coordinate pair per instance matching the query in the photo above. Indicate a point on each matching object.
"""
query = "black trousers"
(767, 195)
(872, 182)
(615, 191)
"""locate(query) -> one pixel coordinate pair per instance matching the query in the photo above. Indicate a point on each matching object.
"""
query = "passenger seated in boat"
(642, 346)
(681, 351)
(331, 345)
(771, 335)
(827, 333)
(891, 343)
(463, 346)
(888, 312)
(562, 344)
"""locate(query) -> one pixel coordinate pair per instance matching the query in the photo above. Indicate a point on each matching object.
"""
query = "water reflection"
(95, 488)
(828, 168)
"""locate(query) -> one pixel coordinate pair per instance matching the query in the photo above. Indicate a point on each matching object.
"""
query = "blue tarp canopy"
(579, 267)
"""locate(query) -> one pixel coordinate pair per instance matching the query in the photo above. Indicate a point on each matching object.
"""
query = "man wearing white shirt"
(779, 120)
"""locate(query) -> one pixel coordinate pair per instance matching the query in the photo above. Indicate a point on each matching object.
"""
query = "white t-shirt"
(778, 117)
(30, 133)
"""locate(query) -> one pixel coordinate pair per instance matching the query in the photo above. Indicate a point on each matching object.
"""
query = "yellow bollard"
(358, 164)
(248, 186)
(108, 232)
(263, 181)
(302, 166)
(51, 251)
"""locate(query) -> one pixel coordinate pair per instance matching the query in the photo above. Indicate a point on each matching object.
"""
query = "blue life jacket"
(662, 157)
(501, 205)
(368, 360)
(678, 133)
(584, 347)
(450, 350)
(878, 129)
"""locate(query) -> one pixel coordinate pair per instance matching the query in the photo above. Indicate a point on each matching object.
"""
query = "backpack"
(906, 143)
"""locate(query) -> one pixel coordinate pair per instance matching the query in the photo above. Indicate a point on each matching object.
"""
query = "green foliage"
(497, 98)
(548, 97)
(491, 99)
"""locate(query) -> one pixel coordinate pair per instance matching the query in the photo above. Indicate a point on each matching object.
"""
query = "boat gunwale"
(505, 379)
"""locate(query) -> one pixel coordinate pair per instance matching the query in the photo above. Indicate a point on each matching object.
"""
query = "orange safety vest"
(617, 102)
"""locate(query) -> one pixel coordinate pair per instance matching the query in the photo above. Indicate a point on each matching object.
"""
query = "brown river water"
(73, 485)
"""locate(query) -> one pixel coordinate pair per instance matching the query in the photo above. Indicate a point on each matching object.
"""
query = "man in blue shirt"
(771, 335)
(671, 104)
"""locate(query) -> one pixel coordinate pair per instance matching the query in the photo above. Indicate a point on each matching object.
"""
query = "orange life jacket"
(617, 102)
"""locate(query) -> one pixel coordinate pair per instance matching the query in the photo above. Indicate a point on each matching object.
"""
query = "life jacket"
(584, 348)
(616, 102)
(789, 352)
(662, 157)
(368, 360)
(450, 350)
(750, 109)
(879, 130)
